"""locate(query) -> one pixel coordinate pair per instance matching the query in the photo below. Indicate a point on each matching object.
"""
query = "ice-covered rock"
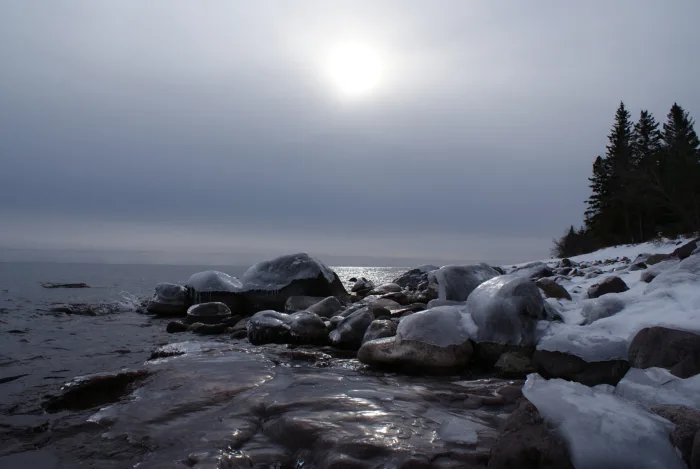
(268, 284)
(506, 310)
(658, 386)
(350, 331)
(434, 339)
(386, 288)
(533, 271)
(214, 286)
(326, 308)
(677, 351)
(603, 431)
(169, 299)
(208, 313)
(600, 308)
(456, 282)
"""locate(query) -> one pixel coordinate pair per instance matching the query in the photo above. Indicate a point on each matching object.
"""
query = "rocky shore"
(597, 358)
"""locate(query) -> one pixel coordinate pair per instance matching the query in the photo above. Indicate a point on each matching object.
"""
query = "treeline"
(647, 184)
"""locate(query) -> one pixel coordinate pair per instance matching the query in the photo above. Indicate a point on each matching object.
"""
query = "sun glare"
(355, 70)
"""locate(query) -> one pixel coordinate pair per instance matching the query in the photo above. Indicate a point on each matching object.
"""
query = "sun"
(355, 70)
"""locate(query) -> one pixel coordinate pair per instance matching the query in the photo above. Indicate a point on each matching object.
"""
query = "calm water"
(223, 403)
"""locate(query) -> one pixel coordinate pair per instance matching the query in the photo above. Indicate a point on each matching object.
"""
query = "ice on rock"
(602, 307)
(592, 344)
(658, 386)
(506, 310)
(456, 282)
(602, 430)
(442, 326)
(277, 273)
(214, 281)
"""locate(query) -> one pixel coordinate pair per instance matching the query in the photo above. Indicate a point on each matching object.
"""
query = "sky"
(216, 131)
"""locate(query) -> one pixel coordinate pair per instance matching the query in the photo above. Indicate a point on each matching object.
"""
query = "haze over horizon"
(186, 132)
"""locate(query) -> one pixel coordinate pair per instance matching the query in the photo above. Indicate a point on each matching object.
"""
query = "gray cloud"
(209, 126)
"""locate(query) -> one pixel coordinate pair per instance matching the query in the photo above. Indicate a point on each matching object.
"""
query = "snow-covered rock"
(208, 313)
(506, 310)
(434, 339)
(603, 431)
(169, 299)
(214, 286)
(456, 282)
(600, 308)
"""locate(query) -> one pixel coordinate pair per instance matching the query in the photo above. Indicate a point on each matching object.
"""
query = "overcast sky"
(183, 131)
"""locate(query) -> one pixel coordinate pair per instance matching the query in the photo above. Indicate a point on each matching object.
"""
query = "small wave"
(129, 302)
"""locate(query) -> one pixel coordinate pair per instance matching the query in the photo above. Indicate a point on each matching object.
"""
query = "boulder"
(637, 266)
(326, 308)
(414, 277)
(695, 453)
(401, 298)
(514, 365)
(566, 263)
(268, 285)
(363, 287)
(349, 332)
(608, 285)
(300, 303)
(215, 286)
(208, 313)
(169, 299)
(379, 329)
(506, 310)
(686, 250)
(174, 327)
(300, 328)
(434, 340)
(687, 421)
(527, 442)
(677, 351)
(456, 282)
(656, 258)
(551, 364)
(552, 289)
(95, 390)
(533, 271)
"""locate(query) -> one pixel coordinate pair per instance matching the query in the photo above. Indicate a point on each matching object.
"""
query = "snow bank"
(602, 430)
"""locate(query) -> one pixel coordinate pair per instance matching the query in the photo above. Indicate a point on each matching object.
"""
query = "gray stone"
(175, 327)
(326, 308)
(687, 421)
(169, 299)
(414, 277)
(514, 365)
(608, 285)
(677, 351)
(350, 331)
(456, 282)
(379, 329)
(301, 303)
(552, 289)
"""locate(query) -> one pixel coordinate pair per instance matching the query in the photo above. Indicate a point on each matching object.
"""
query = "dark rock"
(552, 289)
(399, 297)
(637, 266)
(352, 279)
(64, 285)
(527, 442)
(677, 351)
(308, 328)
(410, 309)
(687, 421)
(301, 328)
(566, 263)
(301, 303)
(207, 329)
(414, 277)
(500, 270)
(8, 379)
(570, 367)
(687, 249)
(487, 354)
(326, 308)
(456, 282)
(533, 271)
(379, 329)
(608, 285)
(175, 327)
(514, 365)
(169, 300)
(379, 311)
(656, 258)
(695, 453)
(208, 313)
(350, 331)
(94, 390)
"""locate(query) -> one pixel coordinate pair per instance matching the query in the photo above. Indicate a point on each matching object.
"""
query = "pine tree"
(679, 172)
(645, 145)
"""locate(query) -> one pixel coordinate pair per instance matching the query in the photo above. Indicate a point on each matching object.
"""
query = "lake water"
(222, 403)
